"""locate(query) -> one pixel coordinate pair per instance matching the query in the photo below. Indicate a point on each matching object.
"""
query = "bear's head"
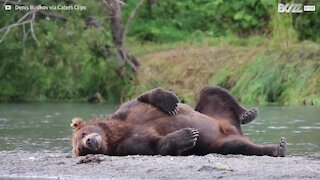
(88, 137)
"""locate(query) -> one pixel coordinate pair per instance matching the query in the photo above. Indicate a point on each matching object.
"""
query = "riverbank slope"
(256, 73)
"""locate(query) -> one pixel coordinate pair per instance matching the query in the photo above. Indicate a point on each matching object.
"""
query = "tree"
(119, 31)
(47, 54)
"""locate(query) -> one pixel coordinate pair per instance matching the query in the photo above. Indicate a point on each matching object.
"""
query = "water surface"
(45, 127)
(299, 125)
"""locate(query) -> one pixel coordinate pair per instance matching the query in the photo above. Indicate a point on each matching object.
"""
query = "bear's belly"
(209, 132)
(145, 116)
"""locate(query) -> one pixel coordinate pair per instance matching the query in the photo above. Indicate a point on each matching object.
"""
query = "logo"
(309, 8)
(290, 8)
(7, 7)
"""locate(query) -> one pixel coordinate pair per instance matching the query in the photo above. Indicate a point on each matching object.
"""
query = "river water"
(45, 127)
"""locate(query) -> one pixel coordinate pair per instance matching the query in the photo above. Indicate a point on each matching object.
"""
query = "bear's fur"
(155, 123)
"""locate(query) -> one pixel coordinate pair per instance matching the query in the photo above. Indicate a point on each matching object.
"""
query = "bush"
(167, 21)
(72, 61)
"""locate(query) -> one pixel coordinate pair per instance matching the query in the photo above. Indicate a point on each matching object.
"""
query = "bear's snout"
(93, 141)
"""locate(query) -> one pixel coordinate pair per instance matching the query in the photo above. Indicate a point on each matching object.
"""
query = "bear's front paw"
(166, 101)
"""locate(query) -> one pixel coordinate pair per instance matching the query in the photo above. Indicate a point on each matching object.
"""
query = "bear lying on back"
(155, 123)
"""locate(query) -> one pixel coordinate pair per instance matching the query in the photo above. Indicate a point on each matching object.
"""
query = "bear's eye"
(83, 134)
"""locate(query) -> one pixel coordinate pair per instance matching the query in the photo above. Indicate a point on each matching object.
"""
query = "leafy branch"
(28, 18)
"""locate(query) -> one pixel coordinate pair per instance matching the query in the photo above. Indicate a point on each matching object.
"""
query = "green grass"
(253, 70)
(288, 77)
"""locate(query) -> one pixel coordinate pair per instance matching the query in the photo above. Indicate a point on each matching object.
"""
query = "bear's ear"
(77, 123)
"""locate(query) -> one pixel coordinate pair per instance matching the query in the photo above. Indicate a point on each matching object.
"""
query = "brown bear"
(156, 123)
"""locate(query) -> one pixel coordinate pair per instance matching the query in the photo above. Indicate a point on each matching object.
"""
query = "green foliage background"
(183, 19)
(70, 64)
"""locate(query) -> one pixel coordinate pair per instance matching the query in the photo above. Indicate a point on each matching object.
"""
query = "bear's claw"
(282, 149)
(168, 103)
(188, 138)
(164, 100)
(249, 116)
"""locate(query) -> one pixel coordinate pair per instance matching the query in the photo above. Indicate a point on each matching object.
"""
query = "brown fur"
(141, 128)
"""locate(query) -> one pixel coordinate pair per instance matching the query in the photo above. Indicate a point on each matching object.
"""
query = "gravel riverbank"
(212, 166)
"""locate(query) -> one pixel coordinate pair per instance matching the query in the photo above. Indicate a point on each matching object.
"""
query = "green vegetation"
(169, 21)
(247, 47)
(254, 74)
(71, 62)
(282, 77)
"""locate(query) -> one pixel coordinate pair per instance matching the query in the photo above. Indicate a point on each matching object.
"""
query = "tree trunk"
(114, 10)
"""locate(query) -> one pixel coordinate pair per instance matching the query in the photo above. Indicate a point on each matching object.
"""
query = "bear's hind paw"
(189, 137)
(249, 116)
(282, 148)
